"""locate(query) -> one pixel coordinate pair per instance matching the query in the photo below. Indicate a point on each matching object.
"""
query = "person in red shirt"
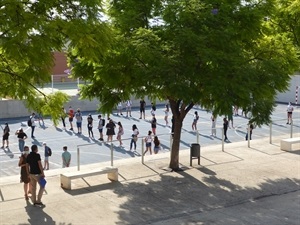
(71, 116)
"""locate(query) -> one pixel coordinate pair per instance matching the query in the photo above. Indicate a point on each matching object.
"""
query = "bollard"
(197, 137)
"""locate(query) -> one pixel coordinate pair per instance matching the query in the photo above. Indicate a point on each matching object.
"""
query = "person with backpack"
(31, 123)
(101, 124)
(47, 154)
(90, 125)
(195, 120)
(78, 117)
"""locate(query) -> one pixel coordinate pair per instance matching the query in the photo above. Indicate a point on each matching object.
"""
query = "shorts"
(78, 124)
(148, 144)
(142, 109)
(70, 119)
(46, 158)
(5, 137)
(156, 149)
(100, 130)
(290, 113)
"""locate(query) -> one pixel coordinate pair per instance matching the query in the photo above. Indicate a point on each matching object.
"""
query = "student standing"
(156, 145)
(32, 118)
(63, 116)
(153, 109)
(71, 116)
(66, 157)
(289, 110)
(120, 133)
(148, 141)
(78, 117)
(213, 126)
(166, 114)
(153, 125)
(225, 128)
(36, 172)
(142, 108)
(101, 124)
(120, 107)
(110, 130)
(5, 136)
(195, 121)
(128, 107)
(90, 125)
(24, 174)
(251, 129)
(47, 150)
(134, 136)
(21, 139)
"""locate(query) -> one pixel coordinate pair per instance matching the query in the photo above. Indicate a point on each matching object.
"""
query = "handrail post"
(222, 139)
(291, 134)
(248, 135)
(111, 154)
(78, 159)
(271, 132)
(142, 150)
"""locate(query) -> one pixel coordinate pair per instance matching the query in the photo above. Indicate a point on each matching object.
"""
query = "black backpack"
(103, 122)
(49, 151)
(29, 122)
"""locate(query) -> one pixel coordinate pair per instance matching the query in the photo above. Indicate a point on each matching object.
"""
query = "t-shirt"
(71, 113)
(32, 161)
(21, 135)
(153, 123)
(78, 117)
(46, 151)
(142, 104)
(66, 156)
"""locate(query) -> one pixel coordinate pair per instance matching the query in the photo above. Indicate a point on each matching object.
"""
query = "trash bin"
(194, 153)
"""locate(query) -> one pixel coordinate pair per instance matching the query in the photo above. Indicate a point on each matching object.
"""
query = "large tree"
(30, 31)
(217, 54)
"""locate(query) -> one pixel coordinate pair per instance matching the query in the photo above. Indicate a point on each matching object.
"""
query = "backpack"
(103, 122)
(29, 122)
(49, 151)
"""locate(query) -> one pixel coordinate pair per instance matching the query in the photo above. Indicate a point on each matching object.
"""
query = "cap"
(44, 143)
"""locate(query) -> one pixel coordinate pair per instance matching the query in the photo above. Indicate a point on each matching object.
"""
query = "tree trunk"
(174, 161)
(179, 111)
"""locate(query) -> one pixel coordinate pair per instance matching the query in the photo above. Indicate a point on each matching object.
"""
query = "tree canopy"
(30, 31)
(218, 54)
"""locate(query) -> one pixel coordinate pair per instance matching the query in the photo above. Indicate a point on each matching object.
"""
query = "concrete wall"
(16, 108)
(290, 95)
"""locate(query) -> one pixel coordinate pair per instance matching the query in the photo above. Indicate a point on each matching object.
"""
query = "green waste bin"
(195, 153)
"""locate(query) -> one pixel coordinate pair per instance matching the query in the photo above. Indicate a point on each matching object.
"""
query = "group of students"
(32, 171)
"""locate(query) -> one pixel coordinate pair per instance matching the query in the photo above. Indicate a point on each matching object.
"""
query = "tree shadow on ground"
(175, 195)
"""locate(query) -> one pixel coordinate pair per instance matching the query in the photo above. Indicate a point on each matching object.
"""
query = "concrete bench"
(65, 178)
(286, 144)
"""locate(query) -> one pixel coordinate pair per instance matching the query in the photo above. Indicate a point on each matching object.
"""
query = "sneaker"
(38, 204)
(2, 147)
(71, 129)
